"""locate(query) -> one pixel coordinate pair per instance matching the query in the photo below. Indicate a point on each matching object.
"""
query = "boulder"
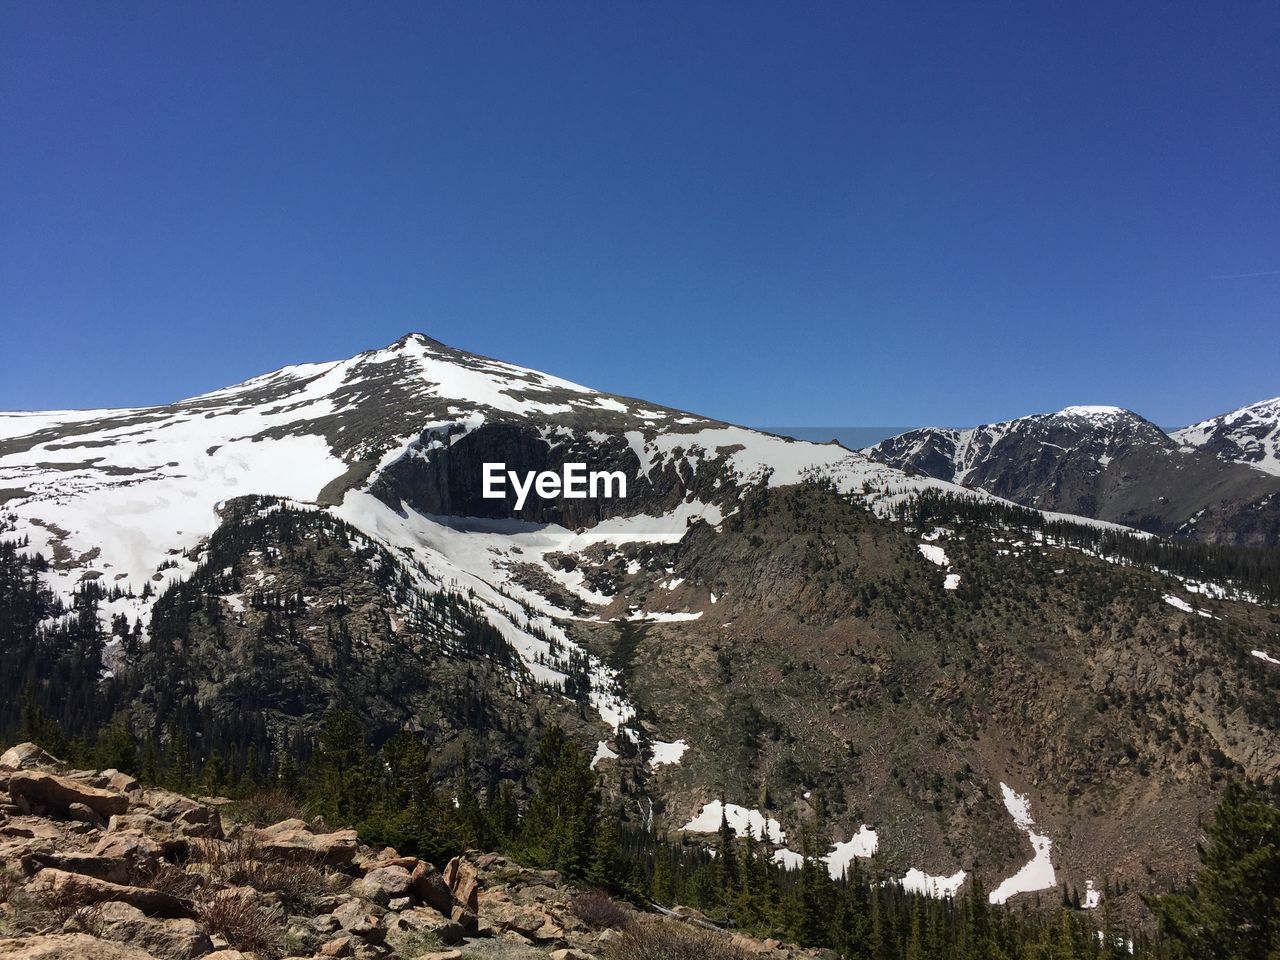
(68, 946)
(570, 953)
(27, 756)
(325, 924)
(342, 946)
(424, 921)
(170, 838)
(59, 793)
(132, 845)
(154, 903)
(504, 914)
(291, 840)
(752, 945)
(463, 880)
(383, 884)
(430, 888)
(122, 782)
(465, 918)
(84, 814)
(361, 920)
(111, 869)
(388, 857)
(165, 939)
(191, 818)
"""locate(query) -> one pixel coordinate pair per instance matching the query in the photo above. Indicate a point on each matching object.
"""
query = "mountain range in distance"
(1217, 481)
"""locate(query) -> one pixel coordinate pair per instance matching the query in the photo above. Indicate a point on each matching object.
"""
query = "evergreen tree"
(561, 817)
(1231, 913)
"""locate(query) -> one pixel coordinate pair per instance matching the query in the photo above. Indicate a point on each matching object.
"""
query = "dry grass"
(298, 882)
(671, 941)
(599, 911)
(69, 906)
(165, 876)
(265, 808)
(244, 924)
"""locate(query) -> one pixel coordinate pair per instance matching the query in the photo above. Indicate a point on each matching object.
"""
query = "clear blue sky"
(773, 213)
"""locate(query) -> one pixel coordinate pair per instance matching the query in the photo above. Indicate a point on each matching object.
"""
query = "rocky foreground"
(94, 866)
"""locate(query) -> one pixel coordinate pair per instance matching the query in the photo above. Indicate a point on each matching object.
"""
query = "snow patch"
(664, 753)
(917, 881)
(1037, 874)
(741, 821)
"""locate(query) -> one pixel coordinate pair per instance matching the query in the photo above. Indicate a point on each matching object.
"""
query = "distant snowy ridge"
(1249, 435)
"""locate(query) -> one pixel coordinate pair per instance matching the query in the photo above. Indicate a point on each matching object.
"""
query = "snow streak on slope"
(1036, 874)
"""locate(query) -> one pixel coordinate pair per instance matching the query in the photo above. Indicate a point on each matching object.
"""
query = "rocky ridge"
(1210, 482)
(95, 866)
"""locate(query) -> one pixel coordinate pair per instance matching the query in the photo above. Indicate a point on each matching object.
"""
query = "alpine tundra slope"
(800, 640)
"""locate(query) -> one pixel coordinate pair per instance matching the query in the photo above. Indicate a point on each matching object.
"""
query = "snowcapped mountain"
(127, 495)
(763, 628)
(1250, 435)
(1104, 462)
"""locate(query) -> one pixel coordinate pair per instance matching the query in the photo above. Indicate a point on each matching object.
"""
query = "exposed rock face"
(166, 939)
(120, 893)
(1250, 435)
(447, 478)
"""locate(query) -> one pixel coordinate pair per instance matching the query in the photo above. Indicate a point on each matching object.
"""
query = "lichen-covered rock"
(173, 842)
(133, 845)
(420, 921)
(191, 818)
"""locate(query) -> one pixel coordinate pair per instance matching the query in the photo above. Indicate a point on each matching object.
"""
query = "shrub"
(414, 943)
(599, 911)
(245, 925)
(67, 905)
(671, 941)
(167, 877)
(298, 882)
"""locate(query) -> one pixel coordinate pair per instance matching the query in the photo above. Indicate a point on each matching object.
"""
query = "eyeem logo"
(574, 484)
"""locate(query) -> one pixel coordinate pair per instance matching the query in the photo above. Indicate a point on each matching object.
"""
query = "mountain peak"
(414, 337)
(1099, 411)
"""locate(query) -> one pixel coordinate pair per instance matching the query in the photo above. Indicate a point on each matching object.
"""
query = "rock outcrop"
(154, 875)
